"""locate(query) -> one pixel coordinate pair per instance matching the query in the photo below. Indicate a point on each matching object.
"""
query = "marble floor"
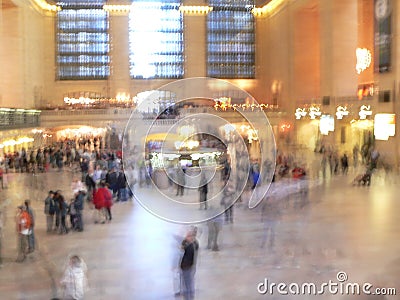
(335, 233)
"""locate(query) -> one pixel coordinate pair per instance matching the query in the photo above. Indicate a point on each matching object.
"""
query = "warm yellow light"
(46, 6)
(189, 144)
(195, 10)
(117, 9)
(362, 124)
(364, 59)
(267, 9)
(384, 126)
(35, 130)
(19, 141)
(326, 124)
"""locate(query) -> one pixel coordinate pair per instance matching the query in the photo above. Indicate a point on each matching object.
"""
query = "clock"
(382, 9)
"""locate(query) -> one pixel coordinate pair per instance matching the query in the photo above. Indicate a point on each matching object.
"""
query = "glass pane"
(230, 39)
(82, 41)
(156, 40)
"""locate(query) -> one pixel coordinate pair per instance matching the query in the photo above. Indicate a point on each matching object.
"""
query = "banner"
(383, 38)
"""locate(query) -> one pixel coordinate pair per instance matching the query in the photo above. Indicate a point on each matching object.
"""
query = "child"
(74, 281)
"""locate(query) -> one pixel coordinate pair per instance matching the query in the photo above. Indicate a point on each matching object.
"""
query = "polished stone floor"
(335, 227)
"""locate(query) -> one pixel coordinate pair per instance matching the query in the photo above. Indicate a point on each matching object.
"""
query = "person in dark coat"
(203, 189)
(190, 247)
(121, 186)
(112, 181)
(78, 205)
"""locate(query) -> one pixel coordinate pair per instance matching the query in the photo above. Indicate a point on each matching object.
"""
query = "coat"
(102, 198)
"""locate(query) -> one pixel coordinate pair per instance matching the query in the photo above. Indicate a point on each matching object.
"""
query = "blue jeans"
(31, 241)
(122, 194)
(188, 284)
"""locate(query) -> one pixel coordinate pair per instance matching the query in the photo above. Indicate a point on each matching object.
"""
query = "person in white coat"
(74, 281)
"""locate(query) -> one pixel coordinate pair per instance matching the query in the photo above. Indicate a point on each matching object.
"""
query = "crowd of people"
(100, 181)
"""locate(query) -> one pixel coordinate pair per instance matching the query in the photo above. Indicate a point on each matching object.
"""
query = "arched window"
(155, 39)
(230, 39)
(82, 40)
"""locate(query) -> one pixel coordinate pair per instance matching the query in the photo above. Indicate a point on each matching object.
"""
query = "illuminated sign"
(384, 126)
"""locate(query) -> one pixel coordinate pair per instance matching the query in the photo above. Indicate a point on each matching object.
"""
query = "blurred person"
(1, 177)
(344, 163)
(227, 201)
(270, 215)
(132, 174)
(203, 189)
(2, 223)
(374, 158)
(46, 161)
(59, 157)
(63, 214)
(49, 210)
(226, 170)
(176, 259)
(84, 167)
(121, 186)
(77, 185)
(214, 227)
(72, 213)
(112, 181)
(108, 202)
(324, 162)
(78, 206)
(356, 151)
(97, 174)
(57, 197)
(255, 172)
(102, 201)
(190, 247)
(148, 173)
(74, 281)
(90, 186)
(23, 222)
(31, 237)
(180, 182)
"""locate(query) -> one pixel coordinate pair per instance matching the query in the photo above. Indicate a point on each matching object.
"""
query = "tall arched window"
(82, 40)
(156, 39)
(230, 39)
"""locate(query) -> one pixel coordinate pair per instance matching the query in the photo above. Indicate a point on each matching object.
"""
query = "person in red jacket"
(102, 201)
(23, 222)
(108, 201)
